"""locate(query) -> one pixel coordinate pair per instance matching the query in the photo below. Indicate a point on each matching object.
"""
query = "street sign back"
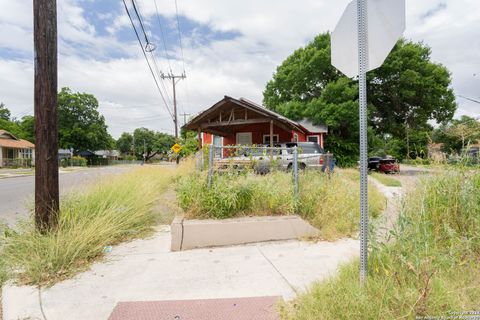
(386, 23)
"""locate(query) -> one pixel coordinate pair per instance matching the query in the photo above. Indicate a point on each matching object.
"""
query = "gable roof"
(196, 122)
(8, 140)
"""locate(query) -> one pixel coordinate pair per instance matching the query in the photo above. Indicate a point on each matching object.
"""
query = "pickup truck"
(261, 158)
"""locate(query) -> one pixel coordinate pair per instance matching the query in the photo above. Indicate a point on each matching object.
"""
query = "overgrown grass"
(430, 268)
(386, 180)
(114, 210)
(329, 203)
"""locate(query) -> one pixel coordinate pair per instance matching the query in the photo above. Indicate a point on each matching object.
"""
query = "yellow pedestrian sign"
(176, 148)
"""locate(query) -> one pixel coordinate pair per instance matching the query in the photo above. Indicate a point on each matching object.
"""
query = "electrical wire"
(163, 36)
(180, 35)
(470, 99)
(137, 13)
(146, 59)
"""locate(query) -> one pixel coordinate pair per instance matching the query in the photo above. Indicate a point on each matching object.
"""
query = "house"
(65, 154)
(15, 151)
(242, 122)
(108, 154)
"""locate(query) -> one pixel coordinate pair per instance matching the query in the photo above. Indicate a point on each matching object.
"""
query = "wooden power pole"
(46, 118)
(175, 79)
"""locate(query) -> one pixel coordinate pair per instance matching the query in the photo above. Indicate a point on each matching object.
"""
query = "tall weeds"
(106, 213)
(431, 268)
(328, 202)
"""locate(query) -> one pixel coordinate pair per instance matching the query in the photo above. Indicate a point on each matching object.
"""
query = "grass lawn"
(328, 203)
(117, 209)
(430, 269)
(386, 180)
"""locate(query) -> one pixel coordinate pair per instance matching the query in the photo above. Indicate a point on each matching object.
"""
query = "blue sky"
(229, 48)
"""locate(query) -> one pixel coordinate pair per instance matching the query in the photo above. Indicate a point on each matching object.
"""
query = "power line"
(163, 36)
(180, 35)
(149, 47)
(470, 99)
(146, 58)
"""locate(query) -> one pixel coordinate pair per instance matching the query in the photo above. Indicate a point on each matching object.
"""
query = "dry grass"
(114, 210)
(430, 269)
(328, 202)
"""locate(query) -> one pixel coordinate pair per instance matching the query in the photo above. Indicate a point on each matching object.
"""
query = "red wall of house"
(258, 130)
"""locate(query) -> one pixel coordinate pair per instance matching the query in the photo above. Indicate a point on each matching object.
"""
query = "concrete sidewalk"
(146, 270)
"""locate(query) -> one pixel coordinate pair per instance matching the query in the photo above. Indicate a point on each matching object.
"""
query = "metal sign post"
(365, 34)
(362, 22)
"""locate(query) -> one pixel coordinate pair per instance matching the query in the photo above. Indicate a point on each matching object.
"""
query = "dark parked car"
(373, 163)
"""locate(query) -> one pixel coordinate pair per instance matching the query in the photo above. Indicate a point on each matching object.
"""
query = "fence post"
(210, 164)
(295, 175)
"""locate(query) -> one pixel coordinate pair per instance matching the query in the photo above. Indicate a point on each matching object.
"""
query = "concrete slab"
(145, 270)
(192, 234)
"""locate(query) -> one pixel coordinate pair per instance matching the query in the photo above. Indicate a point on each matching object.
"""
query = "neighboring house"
(242, 122)
(108, 154)
(15, 151)
(65, 154)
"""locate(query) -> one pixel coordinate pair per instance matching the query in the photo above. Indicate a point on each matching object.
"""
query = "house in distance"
(242, 122)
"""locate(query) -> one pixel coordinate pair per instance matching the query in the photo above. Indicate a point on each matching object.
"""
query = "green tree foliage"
(404, 94)
(27, 128)
(23, 129)
(457, 134)
(81, 126)
(4, 112)
(145, 140)
(189, 143)
(125, 143)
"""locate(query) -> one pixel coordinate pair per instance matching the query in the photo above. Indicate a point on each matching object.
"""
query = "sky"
(227, 48)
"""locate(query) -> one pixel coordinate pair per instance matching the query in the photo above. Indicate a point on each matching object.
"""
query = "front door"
(217, 142)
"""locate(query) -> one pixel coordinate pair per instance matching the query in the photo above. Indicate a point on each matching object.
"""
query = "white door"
(244, 138)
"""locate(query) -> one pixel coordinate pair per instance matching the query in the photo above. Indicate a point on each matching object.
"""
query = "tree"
(125, 143)
(458, 134)
(27, 128)
(4, 112)
(404, 94)
(81, 126)
(145, 140)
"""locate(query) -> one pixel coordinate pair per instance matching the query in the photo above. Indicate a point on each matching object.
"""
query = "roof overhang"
(229, 114)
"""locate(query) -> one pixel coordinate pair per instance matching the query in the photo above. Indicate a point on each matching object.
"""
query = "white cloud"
(268, 32)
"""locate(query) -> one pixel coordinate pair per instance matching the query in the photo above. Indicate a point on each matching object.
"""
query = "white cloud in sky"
(115, 71)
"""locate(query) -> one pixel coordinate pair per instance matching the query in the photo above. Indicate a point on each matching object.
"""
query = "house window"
(25, 153)
(266, 139)
(295, 137)
(312, 139)
(244, 138)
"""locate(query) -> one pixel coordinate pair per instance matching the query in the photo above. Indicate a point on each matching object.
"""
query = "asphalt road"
(17, 194)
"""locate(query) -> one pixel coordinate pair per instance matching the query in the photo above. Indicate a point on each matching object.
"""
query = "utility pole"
(144, 151)
(175, 80)
(45, 111)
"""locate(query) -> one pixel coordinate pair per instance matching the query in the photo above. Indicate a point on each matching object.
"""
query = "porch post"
(199, 131)
(271, 137)
(321, 140)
